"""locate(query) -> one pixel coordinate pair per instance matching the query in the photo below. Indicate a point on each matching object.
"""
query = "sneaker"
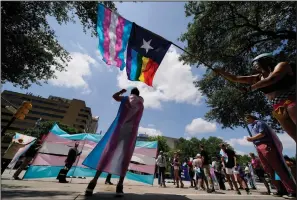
(119, 190)
(108, 183)
(209, 190)
(291, 196)
(238, 192)
(196, 188)
(164, 185)
(278, 194)
(63, 181)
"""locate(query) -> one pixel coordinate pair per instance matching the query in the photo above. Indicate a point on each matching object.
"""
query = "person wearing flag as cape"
(269, 149)
(114, 151)
(278, 82)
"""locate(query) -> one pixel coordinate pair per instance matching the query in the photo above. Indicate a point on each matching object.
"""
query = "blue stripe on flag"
(100, 28)
(126, 36)
(134, 65)
(149, 145)
(56, 130)
(35, 172)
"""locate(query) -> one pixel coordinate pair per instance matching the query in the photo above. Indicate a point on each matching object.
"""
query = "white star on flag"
(146, 45)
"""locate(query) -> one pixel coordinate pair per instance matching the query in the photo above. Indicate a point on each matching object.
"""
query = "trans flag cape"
(113, 153)
(50, 159)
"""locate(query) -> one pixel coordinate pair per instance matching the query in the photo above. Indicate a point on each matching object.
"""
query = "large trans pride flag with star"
(50, 158)
(120, 38)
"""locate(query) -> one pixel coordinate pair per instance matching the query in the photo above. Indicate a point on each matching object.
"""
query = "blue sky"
(173, 107)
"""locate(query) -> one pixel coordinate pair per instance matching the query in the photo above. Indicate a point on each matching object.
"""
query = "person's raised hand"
(249, 139)
(123, 90)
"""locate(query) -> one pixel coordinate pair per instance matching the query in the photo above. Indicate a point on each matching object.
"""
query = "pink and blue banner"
(26, 140)
(51, 157)
(113, 33)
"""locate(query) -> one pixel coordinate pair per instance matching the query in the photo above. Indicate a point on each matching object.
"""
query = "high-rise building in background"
(73, 112)
(94, 125)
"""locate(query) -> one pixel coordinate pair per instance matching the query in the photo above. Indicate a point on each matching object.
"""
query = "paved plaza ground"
(51, 189)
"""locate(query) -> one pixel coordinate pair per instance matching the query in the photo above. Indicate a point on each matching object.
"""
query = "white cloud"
(149, 131)
(77, 71)
(240, 153)
(198, 126)
(239, 141)
(172, 82)
(287, 141)
(78, 46)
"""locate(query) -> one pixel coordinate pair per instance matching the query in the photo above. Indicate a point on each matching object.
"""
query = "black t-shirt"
(32, 150)
(204, 154)
(231, 162)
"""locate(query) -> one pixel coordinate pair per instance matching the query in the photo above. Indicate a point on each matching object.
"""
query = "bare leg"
(228, 180)
(243, 183)
(234, 183)
(92, 184)
(176, 175)
(292, 113)
(287, 122)
(266, 184)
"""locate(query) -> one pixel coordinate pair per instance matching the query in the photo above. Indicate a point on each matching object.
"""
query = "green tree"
(228, 35)
(243, 159)
(30, 50)
(162, 144)
(190, 148)
(45, 127)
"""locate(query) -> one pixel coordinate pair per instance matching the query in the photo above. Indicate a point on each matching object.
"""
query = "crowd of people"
(281, 170)
(276, 80)
(225, 168)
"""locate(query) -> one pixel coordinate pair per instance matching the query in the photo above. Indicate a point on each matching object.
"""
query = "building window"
(81, 120)
(51, 109)
(46, 114)
(83, 115)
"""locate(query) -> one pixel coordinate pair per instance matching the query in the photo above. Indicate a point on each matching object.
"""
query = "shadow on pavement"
(13, 186)
(32, 193)
(131, 196)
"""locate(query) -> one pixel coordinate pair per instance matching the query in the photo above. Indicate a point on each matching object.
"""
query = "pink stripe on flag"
(119, 36)
(52, 160)
(55, 138)
(49, 160)
(149, 169)
(145, 151)
(106, 24)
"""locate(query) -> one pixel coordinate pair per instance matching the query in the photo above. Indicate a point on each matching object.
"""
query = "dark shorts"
(260, 173)
(191, 173)
(200, 175)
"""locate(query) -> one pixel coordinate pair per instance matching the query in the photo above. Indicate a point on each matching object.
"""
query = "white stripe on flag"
(113, 37)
